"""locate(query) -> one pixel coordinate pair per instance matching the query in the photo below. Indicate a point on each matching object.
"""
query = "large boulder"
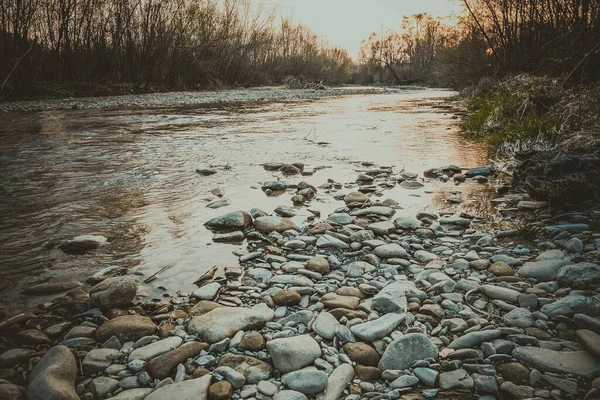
(53, 378)
(224, 322)
(560, 176)
(113, 292)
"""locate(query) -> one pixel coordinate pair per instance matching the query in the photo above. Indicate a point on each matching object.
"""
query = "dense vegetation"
(143, 45)
(496, 38)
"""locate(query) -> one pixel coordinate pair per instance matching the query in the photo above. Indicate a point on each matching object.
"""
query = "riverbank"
(191, 99)
(356, 303)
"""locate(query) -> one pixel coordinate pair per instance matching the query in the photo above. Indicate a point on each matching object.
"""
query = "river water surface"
(129, 175)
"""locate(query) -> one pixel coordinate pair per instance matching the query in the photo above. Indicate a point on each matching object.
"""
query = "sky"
(346, 22)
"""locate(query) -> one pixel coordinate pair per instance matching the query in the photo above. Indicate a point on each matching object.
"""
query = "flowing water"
(129, 175)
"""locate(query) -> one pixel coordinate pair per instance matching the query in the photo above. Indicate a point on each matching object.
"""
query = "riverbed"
(126, 170)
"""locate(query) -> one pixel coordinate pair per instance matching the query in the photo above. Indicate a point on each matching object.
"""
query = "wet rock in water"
(126, 328)
(206, 171)
(362, 353)
(337, 382)
(234, 221)
(225, 322)
(579, 363)
(253, 369)
(480, 171)
(229, 237)
(412, 185)
(561, 176)
(579, 276)
(218, 203)
(268, 224)
(355, 197)
(221, 390)
(43, 289)
(191, 389)
(82, 244)
(113, 292)
(104, 273)
(291, 354)
(404, 351)
(54, 376)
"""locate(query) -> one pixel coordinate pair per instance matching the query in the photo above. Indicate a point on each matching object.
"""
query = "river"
(129, 173)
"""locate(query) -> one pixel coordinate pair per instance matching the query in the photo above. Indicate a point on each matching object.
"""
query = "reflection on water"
(130, 175)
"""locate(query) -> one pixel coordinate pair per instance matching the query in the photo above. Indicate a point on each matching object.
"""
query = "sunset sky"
(346, 22)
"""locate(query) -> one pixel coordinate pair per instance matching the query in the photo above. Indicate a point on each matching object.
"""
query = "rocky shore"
(363, 303)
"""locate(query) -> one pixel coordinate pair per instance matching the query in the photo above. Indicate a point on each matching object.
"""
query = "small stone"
(287, 298)
(362, 353)
(291, 354)
(221, 390)
(113, 292)
(458, 379)
(253, 341)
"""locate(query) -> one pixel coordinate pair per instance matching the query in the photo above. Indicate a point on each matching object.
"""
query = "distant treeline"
(559, 38)
(146, 45)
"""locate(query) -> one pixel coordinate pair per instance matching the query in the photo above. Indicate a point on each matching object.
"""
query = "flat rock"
(294, 353)
(113, 292)
(500, 293)
(44, 289)
(324, 325)
(337, 382)
(253, 369)
(289, 395)
(519, 317)
(391, 250)
(330, 242)
(473, 339)
(54, 376)
(225, 322)
(590, 340)
(392, 298)
(374, 210)
(377, 329)
(404, 351)
(544, 270)
(333, 300)
(457, 379)
(579, 363)
(294, 280)
(307, 380)
(155, 349)
(97, 360)
(185, 390)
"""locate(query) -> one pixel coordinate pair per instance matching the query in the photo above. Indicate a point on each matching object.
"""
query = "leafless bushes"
(155, 44)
